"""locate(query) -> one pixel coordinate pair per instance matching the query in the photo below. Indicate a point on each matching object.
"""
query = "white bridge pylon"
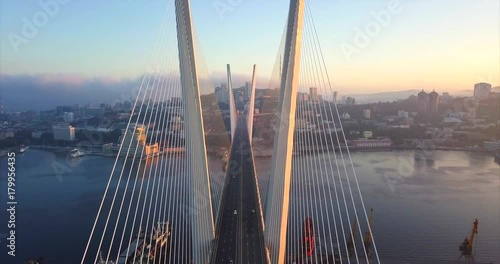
(232, 105)
(251, 104)
(202, 223)
(278, 195)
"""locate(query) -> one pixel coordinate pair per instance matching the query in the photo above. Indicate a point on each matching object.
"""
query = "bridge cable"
(158, 85)
(155, 46)
(317, 121)
(120, 151)
(307, 37)
(328, 85)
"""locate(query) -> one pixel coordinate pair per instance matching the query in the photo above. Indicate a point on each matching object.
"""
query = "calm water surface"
(424, 204)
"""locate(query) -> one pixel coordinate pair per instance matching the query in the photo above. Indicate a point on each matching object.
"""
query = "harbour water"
(424, 205)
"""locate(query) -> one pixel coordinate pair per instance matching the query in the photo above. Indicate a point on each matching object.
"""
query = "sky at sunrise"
(447, 45)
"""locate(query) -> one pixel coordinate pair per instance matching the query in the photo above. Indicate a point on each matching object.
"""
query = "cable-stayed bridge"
(185, 186)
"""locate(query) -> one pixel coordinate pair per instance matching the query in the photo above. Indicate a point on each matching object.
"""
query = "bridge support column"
(251, 104)
(277, 202)
(202, 224)
(232, 105)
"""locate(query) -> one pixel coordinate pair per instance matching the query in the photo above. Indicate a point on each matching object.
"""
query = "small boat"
(23, 149)
(75, 153)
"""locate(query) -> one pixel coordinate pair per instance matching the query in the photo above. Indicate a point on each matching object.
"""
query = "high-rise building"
(69, 117)
(62, 109)
(313, 94)
(302, 97)
(445, 97)
(482, 90)
(222, 93)
(335, 95)
(94, 111)
(433, 103)
(427, 103)
(247, 90)
(367, 113)
(350, 101)
(423, 103)
(66, 133)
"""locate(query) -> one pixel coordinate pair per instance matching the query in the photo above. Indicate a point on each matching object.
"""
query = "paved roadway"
(239, 236)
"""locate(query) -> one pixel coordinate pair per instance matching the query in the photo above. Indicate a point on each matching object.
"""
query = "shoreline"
(260, 152)
(268, 152)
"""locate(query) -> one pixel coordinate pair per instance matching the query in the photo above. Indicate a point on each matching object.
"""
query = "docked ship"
(23, 149)
(144, 247)
(75, 153)
(308, 237)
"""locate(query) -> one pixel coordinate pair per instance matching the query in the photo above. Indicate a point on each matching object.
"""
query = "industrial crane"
(368, 237)
(467, 245)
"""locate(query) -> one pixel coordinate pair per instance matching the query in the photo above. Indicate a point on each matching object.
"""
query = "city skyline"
(410, 52)
(43, 101)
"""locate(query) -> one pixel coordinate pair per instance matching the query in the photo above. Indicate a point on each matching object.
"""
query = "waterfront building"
(151, 150)
(134, 138)
(491, 145)
(64, 132)
(372, 143)
(367, 134)
(7, 133)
